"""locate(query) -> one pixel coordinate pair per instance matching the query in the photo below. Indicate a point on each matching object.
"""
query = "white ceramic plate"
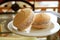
(43, 32)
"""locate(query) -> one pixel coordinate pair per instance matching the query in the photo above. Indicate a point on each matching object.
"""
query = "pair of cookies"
(26, 17)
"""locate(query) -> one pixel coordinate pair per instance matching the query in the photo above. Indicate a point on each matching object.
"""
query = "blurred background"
(8, 9)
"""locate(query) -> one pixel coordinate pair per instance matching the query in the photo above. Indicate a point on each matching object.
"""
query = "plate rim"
(30, 35)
